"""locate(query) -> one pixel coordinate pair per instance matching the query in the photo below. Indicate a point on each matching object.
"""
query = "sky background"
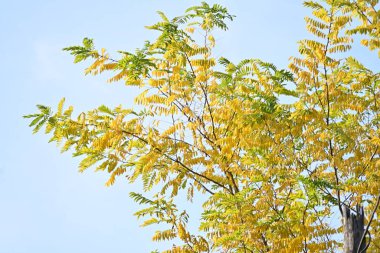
(46, 206)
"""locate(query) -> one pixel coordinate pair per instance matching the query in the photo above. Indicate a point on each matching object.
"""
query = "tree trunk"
(353, 227)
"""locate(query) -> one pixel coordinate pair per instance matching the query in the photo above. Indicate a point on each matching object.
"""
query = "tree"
(274, 172)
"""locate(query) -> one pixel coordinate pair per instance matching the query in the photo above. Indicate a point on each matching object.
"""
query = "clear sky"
(46, 206)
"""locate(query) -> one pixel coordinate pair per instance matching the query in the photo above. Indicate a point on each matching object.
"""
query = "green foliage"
(81, 53)
(275, 174)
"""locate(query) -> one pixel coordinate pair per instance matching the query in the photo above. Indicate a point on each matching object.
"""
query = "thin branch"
(369, 224)
(176, 160)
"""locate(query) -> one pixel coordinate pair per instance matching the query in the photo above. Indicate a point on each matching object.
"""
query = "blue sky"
(45, 204)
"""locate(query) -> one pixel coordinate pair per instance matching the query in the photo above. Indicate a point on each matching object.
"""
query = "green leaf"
(36, 120)
(105, 109)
